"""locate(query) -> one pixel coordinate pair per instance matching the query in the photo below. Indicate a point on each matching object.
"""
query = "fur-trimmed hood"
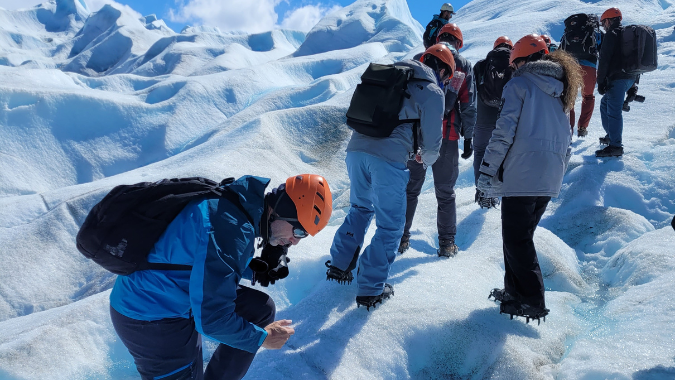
(547, 75)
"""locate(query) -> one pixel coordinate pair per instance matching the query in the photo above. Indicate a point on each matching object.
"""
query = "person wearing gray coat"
(378, 177)
(525, 162)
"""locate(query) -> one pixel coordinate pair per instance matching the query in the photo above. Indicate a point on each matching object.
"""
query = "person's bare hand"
(278, 333)
(418, 158)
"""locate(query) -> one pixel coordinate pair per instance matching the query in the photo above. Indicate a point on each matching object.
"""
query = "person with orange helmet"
(613, 84)
(491, 75)
(378, 176)
(435, 25)
(161, 315)
(525, 161)
(459, 120)
(549, 43)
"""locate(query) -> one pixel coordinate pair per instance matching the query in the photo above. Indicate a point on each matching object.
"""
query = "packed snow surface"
(90, 100)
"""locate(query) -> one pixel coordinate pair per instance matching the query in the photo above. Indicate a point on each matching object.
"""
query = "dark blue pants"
(481, 139)
(611, 109)
(171, 348)
(446, 171)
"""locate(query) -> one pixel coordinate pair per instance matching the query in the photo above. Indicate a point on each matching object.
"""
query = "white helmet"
(448, 7)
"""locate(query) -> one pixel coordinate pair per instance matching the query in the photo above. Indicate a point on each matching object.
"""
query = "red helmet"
(313, 201)
(453, 30)
(503, 40)
(442, 52)
(546, 38)
(611, 13)
(528, 45)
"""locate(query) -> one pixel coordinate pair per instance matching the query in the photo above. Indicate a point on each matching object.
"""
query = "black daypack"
(579, 37)
(121, 230)
(495, 72)
(638, 49)
(378, 99)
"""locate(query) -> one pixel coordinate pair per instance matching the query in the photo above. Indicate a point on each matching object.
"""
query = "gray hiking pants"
(445, 170)
(481, 139)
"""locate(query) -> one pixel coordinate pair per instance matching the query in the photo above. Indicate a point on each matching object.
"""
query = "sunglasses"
(298, 231)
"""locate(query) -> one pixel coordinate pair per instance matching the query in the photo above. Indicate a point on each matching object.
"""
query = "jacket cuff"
(486, 169)
(263, 335)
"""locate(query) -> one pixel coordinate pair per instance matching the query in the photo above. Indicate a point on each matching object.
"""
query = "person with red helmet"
(549, 43)
(378, 176)
(525, 161)
(503, 41)
(161, 315)
(435, 25)
(613, 84)
(459, 120)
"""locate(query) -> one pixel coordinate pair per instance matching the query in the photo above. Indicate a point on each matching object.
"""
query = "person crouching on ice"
(161, 315)
(525, 161)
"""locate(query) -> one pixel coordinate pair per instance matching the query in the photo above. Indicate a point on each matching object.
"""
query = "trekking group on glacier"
(181, 246)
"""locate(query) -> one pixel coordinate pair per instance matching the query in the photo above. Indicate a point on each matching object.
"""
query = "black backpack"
(121, 230)
(638, 49)
(377, 101)
(495, 71)
(431, 32)
(579, 37)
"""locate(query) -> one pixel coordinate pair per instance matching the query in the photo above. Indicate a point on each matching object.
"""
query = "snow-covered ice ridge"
(92, 100)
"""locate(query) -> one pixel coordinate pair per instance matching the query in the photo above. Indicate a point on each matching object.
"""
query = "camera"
(631, 95)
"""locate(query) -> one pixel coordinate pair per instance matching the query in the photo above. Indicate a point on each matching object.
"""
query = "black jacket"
(609, 65)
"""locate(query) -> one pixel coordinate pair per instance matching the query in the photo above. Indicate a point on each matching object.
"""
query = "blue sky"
(247, 15)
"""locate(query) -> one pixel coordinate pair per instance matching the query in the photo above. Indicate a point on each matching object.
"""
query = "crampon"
(515, 308)
(372, 301)
(339, 275)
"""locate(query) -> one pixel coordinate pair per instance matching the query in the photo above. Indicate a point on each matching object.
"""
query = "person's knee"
(270, 311)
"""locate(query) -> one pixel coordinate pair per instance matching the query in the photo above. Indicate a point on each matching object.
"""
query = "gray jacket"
(426, 103)
(530, 147)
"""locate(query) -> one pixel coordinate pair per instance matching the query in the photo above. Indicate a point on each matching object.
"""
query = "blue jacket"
(218, 241)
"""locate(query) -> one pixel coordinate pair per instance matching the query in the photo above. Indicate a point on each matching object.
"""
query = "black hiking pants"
(446, 171)
(520, 217)
(171, 348)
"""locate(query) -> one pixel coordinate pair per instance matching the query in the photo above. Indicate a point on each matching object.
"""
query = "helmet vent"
(320, 196)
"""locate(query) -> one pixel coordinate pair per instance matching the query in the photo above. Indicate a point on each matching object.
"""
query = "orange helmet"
(442, 52)
(313, 201)
(503, 40)
(546, 38)
(453, 30)
(528, 45)
(611, 13)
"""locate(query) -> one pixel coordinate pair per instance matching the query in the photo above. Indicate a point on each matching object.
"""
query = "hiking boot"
(500, 295)
(371, 301)
(339, 275)
(405, 244)
(609, 151)
(447, 248)
(604, 140)
(519, 309)
(582, 132)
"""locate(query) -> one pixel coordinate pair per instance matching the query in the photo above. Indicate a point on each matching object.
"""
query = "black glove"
(467, 149)
(602, 89)
(272, 265)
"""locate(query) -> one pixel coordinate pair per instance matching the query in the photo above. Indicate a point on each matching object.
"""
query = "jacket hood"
(547, 75)
(421, 71)
(251, 192)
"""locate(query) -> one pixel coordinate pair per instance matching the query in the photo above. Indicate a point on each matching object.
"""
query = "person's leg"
(572, 118)
(228, 363)
(588, 100)
(446, 171)
(389, 199)
(168, 348)
(522, 278)
(413, 189)
(349, 237)
(603, 114)
(616, 94)
(481, 139)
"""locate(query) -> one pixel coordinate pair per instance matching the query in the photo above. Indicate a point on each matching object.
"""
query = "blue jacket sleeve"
(215, 278)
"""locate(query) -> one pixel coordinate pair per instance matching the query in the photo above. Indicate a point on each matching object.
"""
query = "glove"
(484, 184)
(467, 149)
(602, 89)
(272, 265)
